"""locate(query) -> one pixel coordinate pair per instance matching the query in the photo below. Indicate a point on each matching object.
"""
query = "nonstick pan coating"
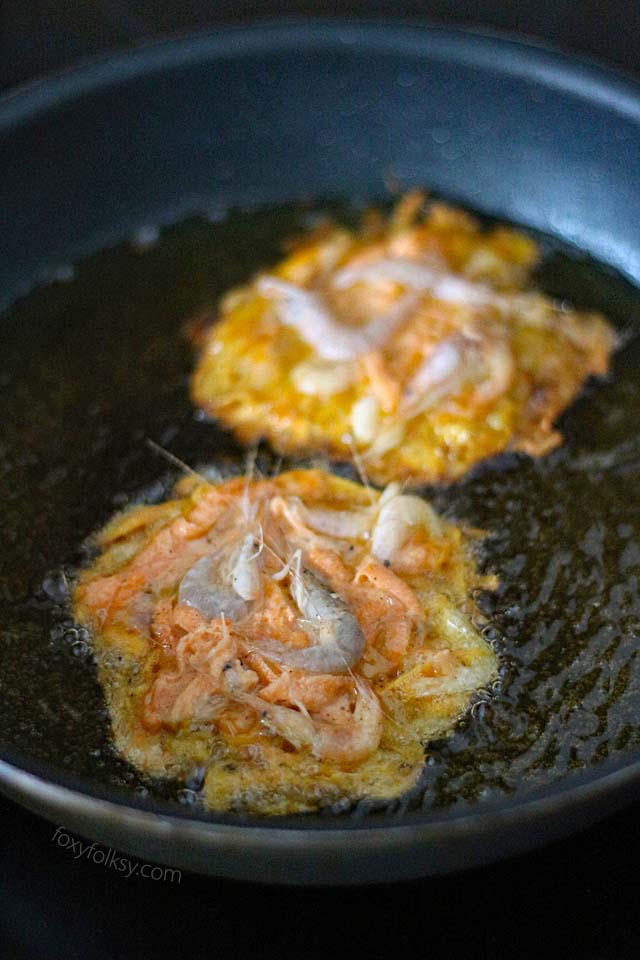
(265, 120)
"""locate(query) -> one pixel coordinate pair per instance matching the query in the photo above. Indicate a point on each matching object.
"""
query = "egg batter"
(301, 638)
(416, 346)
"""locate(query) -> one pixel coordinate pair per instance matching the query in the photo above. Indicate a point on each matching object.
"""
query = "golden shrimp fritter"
(415, 345)
(302, 637)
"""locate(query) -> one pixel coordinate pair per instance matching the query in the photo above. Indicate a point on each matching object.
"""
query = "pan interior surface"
(106, 367)
(96, 362)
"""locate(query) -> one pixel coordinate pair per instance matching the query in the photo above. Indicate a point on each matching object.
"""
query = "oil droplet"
(145, 237)
(406, 79)
(440, 135)
(56, 587)
(187, 797)
(64, 273)
(196, 778)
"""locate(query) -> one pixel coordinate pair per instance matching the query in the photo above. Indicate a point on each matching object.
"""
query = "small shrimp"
(326, 696)
(217, 585)
(499, 371)
(348, 743)
(245, 577)
(357, 739)
(304, 312)
(485, 360)
(396, 519)
(305, 521)
(385, 388)
(337, 642)
(384, 579)
(389, 612)
(162, 561)
(413, 275)
(379, 613)
(440, 374)
(191, 687)
(174, 701)
(202, 588)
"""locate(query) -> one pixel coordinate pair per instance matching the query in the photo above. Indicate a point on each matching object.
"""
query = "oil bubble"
(55, 586)
(145, 237)
(187, 797)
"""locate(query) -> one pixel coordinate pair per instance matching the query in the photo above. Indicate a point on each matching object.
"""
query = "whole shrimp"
(349, 742)
(211, 594)
(337, 642)
(303, 311)
(217, 584)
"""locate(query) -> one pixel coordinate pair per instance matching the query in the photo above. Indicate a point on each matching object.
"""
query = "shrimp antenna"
(252, 456)
(248, 478)
(362, 473)
(175, 461)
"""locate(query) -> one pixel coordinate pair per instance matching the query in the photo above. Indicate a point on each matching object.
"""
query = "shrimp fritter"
(416, 344)
(301, 638)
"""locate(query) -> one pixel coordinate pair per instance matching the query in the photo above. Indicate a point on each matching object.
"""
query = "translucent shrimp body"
(396, 520)
(439, 283)
(206, 588)
(303, 310)
(440, 374)
(305, 522)
(336, 640)
(350, 741)
(202, 589)
(245, 577)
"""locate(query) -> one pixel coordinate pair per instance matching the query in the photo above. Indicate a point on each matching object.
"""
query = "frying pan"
(248, 119)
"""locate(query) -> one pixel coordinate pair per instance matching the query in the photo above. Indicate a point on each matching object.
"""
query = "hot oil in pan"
(93, 367)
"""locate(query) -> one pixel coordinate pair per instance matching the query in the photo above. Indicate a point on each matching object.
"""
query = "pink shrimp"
(347, 742)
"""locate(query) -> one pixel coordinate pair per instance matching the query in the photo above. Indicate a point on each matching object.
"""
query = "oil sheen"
(93, 366)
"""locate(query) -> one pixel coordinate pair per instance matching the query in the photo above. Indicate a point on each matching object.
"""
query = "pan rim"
(42, 778)
(523, 57)
(582, 77)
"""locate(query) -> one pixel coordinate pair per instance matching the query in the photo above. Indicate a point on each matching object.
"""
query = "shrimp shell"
(245, 577)
(338, 524)
(395, 521)
(439, 374)
(440, 284)
(200, 588)
(348, 742)
(337, 642)
(303, 310)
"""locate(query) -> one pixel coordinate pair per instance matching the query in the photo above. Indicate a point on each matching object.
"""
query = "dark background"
(576, 899)
(40, 35)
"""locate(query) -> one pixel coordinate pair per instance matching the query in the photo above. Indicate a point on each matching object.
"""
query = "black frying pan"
(262, 120)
